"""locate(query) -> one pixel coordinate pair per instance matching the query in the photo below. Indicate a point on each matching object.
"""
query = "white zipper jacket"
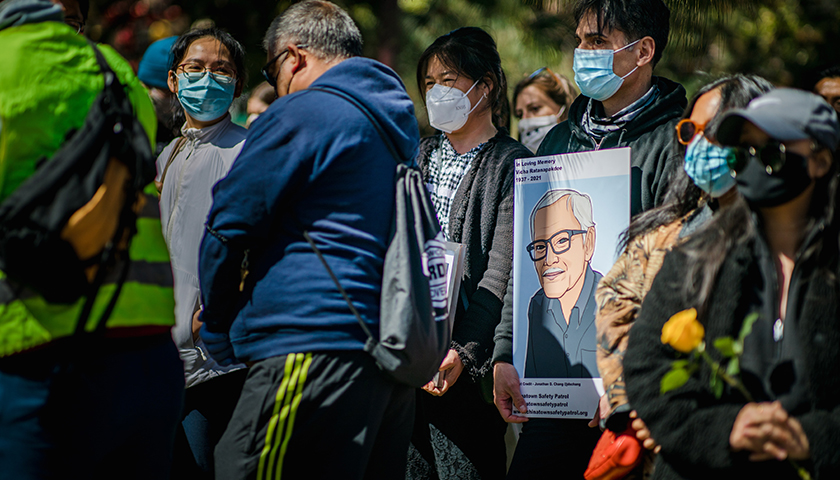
(185, 201)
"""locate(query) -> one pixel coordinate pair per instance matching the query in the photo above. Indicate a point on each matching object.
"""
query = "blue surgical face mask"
(594, 73)
(207, 97)
(706, 164)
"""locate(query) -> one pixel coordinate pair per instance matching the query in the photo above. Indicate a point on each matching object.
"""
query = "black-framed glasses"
(560, 242)
(772, 155)
(266, 70)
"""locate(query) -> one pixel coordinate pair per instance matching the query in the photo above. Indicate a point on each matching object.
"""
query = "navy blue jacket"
(312, 161)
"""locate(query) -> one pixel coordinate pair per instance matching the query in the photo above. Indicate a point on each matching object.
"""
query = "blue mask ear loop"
(624, 47)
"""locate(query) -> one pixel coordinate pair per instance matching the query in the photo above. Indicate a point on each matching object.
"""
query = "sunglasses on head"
(544, 71)
(772, 155)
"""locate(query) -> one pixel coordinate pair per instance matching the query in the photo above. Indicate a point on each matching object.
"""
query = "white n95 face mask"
(533, 130)
(448, 108)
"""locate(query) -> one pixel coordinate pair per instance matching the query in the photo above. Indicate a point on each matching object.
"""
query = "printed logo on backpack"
(434, 261)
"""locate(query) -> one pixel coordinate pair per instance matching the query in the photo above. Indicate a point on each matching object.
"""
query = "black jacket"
(481, 217)
(691, 425)
(650, 136)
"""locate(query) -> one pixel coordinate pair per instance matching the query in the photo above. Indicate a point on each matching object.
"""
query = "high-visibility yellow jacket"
(48, 80)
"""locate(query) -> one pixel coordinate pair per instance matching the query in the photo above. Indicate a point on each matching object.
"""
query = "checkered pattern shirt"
(446, 169)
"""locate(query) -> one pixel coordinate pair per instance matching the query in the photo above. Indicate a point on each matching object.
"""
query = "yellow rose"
(683, 332)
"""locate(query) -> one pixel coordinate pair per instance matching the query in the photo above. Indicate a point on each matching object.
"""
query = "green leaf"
(717, 388)
(746, 328)
(675, 378)
(679, 364)
(726, 346)
(734, 367)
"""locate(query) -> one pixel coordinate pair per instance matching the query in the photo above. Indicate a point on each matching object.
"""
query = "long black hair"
(471, 52)
(682, 195)
(734, 226)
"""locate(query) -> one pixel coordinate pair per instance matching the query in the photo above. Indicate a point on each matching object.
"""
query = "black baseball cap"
(785, 114)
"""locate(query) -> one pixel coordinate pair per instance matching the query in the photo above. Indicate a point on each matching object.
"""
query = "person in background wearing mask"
(207, 72)
(154, 73)
(774, 255)
(828, 87)
(621, 105)
(701, 187)
(262, 96)
(468, 169)
(541, 101)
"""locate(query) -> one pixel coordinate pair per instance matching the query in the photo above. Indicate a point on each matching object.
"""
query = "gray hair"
(325, 28)
(580, 202)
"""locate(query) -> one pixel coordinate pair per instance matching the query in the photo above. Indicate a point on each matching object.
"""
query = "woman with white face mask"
(468, 169)
(541, 101)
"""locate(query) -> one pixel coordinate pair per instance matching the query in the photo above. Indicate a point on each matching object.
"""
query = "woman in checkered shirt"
(468, 169)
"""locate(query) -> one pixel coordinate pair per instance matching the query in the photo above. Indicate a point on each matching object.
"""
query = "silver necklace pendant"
(778, 329)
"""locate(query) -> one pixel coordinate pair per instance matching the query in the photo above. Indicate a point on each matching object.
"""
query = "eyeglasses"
(221, 73)
(560, 242)
(687, 129)
(269, 75)
(773, 155)
(77, 25)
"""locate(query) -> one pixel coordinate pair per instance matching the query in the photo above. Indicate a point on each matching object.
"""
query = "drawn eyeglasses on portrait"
(560, 242)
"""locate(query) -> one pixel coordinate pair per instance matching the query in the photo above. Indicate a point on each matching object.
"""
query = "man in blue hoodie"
(312, 162)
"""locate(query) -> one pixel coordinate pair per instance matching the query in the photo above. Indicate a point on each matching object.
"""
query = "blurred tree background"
(785, 41)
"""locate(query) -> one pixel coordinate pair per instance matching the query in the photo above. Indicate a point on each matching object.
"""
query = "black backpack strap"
(179, 144)
(385, 138)
(106, 69)
(108, 254)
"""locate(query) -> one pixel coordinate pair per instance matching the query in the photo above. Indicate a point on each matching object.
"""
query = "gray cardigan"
(481, 217)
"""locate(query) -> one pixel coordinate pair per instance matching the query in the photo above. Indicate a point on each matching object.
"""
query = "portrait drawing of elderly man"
(561, 314)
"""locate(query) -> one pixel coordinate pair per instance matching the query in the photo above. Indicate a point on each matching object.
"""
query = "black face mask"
(762, 189)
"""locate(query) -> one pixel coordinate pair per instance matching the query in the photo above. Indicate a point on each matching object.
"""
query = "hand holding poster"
(569, 211)
(454, 254)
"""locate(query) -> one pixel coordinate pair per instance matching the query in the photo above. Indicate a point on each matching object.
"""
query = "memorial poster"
(569, 212)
